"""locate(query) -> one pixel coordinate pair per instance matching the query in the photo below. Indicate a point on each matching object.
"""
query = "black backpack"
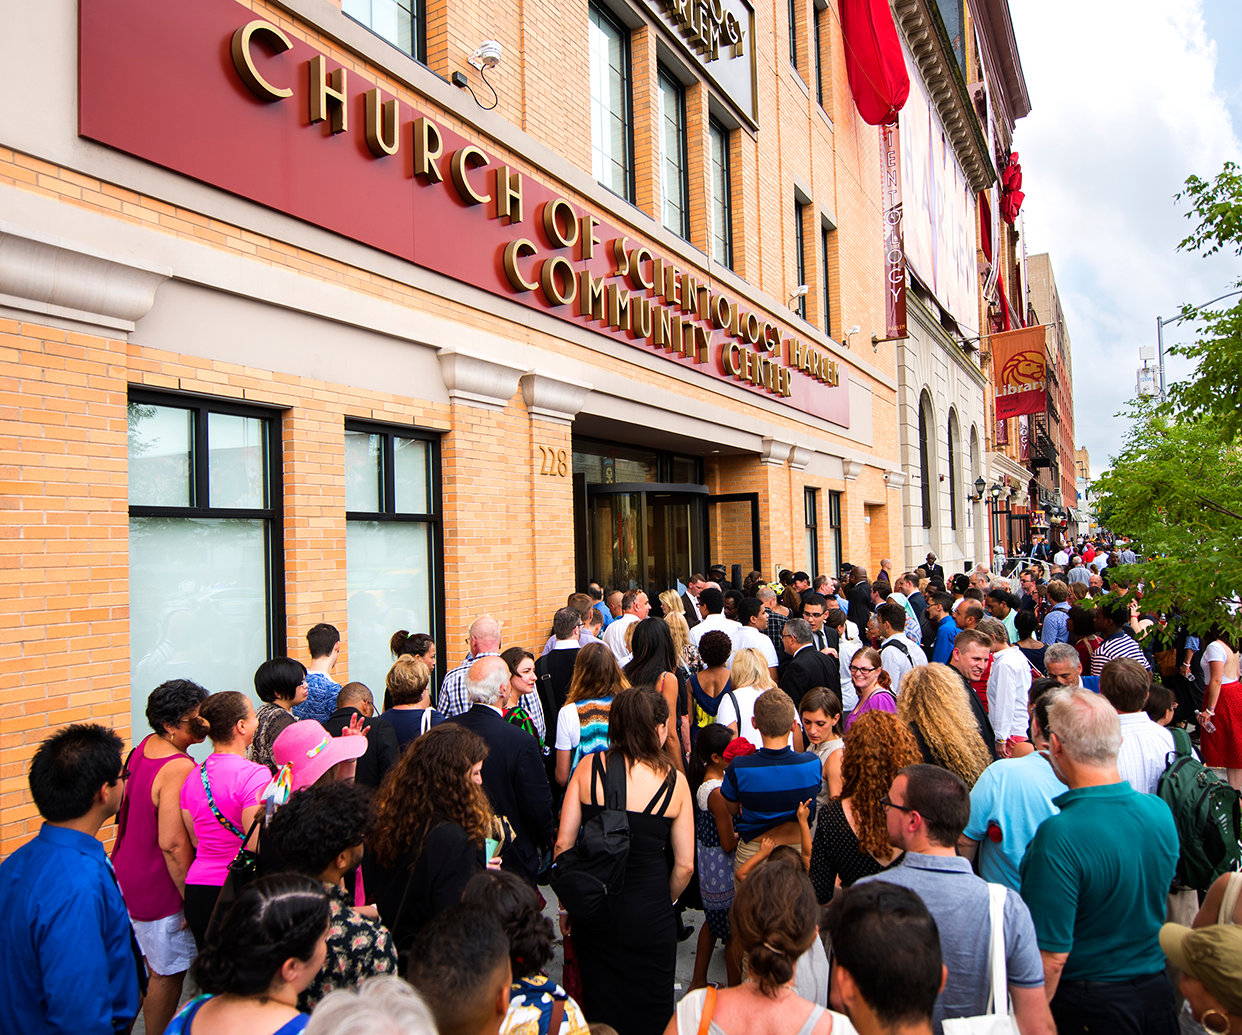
(1208, 818)
(586, 875)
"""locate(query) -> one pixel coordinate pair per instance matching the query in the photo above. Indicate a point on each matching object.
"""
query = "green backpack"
(1208, 817)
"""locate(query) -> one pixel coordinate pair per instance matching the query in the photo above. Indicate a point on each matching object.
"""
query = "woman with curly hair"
(851, 835)
(432, 821)
(932, 705)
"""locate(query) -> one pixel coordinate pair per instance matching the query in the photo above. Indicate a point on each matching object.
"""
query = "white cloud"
(1123, 110)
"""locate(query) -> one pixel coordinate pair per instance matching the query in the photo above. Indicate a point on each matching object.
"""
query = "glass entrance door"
(644, 535)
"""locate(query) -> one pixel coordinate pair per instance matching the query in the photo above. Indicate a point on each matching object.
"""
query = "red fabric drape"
(1011, 190)
(1004, 305)
(985, 226)
(874, 62)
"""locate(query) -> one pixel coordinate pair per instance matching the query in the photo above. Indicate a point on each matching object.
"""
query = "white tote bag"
(994, 1022)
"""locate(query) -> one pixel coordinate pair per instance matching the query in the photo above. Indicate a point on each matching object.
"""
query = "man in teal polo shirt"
(1096, 877)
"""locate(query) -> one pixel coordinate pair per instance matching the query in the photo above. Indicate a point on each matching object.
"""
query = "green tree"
(1176, 487)
(1216, 385)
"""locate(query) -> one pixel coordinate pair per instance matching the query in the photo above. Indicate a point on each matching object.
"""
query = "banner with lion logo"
(1020, 372)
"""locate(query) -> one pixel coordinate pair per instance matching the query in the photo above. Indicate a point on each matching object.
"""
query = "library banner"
(1019, 372)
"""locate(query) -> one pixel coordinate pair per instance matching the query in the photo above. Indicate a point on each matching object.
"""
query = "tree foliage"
(1176, 487)
(1216, 385)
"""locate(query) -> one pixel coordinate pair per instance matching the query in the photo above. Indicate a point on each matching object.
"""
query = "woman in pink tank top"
(153, 850)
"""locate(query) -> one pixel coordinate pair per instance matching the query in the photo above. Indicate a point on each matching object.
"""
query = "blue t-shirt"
(946, 633)
(68, 960)
(770, 784)
(320, 700)
(1096, 878)
(409, 723)
(1016, 795)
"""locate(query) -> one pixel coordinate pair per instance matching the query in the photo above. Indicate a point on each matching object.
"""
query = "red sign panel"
(894, 243)
(207, 90)
(1019, 372)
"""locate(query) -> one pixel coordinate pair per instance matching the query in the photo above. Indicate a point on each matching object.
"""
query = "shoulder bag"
(994, 1022)
(587, 875)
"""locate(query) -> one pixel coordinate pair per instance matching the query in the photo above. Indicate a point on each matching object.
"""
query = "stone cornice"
(476, 381)
(44, 276)
(925, 35)
(552, 398)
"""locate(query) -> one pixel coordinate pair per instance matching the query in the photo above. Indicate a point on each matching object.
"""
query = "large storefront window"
(392, 543)
(610, 104)
(204, 543)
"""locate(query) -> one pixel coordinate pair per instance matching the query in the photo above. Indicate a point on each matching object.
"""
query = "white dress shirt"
(750, 637)
(1009, 685)
(718, 623)
(614, 636)
(1144, 752)
(895, 663)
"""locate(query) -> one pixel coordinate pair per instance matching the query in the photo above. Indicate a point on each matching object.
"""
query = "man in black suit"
(908, 584)
(690, 599)
(934, 571)
(807, 668)
(859, 608)
(382, 748)
(513, 772)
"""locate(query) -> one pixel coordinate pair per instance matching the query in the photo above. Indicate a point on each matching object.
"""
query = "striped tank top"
(592, 727)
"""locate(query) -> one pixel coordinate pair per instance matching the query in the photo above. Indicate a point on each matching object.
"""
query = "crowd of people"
(948, 782)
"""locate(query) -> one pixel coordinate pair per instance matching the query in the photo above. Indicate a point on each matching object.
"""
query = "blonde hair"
(933, 701)
(671, 601)
(407, 679)
(750, 668)
(680, 631)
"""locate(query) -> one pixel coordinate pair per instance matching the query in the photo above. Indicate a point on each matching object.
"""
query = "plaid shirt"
(776, 629)
(453, 699)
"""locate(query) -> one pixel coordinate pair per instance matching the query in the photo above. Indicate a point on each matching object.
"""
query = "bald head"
(484, 634)
(356, 695)
(487, 681)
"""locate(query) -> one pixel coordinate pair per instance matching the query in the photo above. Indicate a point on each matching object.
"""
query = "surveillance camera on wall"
(487, 56)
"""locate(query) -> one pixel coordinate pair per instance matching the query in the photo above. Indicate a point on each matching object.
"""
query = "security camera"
(487, 56)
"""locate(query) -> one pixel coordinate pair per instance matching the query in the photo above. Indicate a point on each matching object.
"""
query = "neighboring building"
(296, 330)
(1085, 507)
(1052, 438)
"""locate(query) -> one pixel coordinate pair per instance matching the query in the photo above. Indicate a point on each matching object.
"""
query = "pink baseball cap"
(310, 751)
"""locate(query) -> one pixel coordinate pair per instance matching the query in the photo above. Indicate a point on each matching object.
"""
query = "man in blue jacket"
(940, 612)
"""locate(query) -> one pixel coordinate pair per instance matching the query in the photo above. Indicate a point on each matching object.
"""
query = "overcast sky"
(1128, 98)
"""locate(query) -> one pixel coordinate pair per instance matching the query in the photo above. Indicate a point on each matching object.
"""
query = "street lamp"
(980, 486)
(1162, 321)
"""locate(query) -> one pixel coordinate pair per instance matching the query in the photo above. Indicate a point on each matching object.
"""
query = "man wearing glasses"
(70, 959)
(927, 808)
(806, 667)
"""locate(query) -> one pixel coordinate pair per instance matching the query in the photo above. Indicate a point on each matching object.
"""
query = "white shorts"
(167, 944)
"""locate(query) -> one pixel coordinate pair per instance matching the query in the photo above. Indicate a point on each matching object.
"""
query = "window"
(392, 541)
(826, 240)
(674, 176)
(400, 22)
(205, 554)
(811, 505)
(800, 251)
(817, 19)
(834, 532)
(611, 145)
(925, 466)
(722, 196)
(952, 458)
(793, 33)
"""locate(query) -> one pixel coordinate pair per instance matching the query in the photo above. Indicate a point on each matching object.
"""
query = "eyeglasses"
(859, 671)
(888, 803)
(123, 774)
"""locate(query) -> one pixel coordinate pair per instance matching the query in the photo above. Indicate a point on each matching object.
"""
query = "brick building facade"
(271, 359)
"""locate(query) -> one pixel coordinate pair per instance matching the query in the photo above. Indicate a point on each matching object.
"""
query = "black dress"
(629, 958)
(836, 852)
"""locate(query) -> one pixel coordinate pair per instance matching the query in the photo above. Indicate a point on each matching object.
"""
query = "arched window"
(925, 465)
(952, 475)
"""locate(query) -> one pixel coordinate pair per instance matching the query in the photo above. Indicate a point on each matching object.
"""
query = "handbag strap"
(998, 995)
(556, 1016)
(1229, 903)
(225, 822)
(709, 1007)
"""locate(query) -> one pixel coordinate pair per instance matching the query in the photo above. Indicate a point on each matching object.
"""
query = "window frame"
(810, 509)
(418, 14)
(663, 76)
(200, 476)
(825, 234)
(800, 210)
(606, 17)
(834, 526)
(435, 500)
(718, 130)
(817, 19)
(793, 35)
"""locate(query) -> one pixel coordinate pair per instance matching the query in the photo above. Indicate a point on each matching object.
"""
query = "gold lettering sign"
(243, 59)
